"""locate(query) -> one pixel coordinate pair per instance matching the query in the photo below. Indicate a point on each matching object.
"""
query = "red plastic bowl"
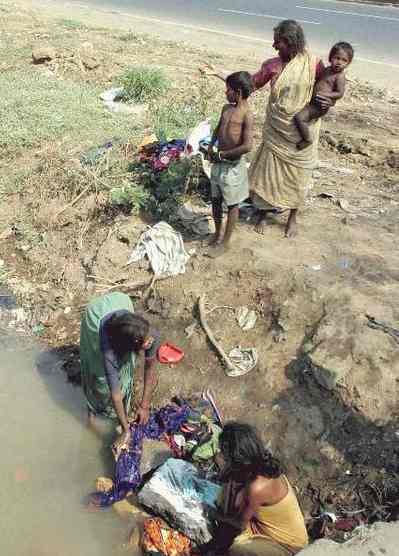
(168, 353)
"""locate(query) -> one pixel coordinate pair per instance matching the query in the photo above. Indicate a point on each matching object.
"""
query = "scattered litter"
(330, 515)
(339, 201)
(192, 220)
(315, 267)
(202, 132)
(148, 140)
(245, 359)
(164, 248)
(93, 155)
(170, 354)
(384, 327)
(338, 169)
(67, 310)
(344, 264)
(112, 101)
(344, 205)
(38, 329)
(189, 330)
(111, 95)
(246, 318)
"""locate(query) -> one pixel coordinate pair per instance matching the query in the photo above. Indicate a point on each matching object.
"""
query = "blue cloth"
(127, 472)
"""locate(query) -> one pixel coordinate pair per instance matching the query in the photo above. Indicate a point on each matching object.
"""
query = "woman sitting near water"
(259, 512)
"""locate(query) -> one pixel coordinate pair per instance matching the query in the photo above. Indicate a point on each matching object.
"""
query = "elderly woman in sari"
(279, 173)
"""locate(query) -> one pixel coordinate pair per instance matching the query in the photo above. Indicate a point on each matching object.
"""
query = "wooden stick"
(201, 306)
(75, 200)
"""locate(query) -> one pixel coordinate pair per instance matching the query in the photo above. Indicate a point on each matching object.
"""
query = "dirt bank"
(326, 394)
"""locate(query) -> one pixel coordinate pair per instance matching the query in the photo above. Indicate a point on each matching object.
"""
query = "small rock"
(330, 140)
(43, 54)
(88, 56)
(89, 62)
(344, 147)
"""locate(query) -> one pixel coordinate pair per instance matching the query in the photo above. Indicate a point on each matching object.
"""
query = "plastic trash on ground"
(201, 132)
(246, 318)
(244, 359)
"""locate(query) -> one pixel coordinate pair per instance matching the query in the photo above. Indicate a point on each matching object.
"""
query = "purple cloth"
(127, 473)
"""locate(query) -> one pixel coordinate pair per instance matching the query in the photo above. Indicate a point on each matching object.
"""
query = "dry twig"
(226, 360)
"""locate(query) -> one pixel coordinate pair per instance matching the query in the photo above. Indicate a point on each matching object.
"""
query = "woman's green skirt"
(94, 380)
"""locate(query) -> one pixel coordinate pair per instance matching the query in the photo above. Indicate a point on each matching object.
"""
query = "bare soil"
(338, 444)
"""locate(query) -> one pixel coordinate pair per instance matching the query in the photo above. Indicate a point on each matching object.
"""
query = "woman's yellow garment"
(282, 522)
(280, 174)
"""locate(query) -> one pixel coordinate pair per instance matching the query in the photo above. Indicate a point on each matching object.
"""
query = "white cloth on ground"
(164, 248)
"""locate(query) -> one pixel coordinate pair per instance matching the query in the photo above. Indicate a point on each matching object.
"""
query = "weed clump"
(130, 196)
(143, 84)
(168, 190)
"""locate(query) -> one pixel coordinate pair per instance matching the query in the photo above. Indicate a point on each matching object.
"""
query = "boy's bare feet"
(302, 145)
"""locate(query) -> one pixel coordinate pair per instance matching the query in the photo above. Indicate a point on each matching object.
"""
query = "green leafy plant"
(130, 196)
(168, 190)
(143, 84)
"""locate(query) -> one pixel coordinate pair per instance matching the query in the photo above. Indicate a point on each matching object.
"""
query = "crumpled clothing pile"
(159, 155)
(164, 248)
(127, 470)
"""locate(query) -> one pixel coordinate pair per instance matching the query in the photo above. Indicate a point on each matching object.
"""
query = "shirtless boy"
(329, 88)
(229, 176)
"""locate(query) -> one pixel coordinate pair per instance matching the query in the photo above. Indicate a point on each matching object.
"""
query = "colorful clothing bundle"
(127, 472)
(160, 540)
(160, 155)
(197, 438)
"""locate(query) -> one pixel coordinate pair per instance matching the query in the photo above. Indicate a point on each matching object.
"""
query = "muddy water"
(49, 461)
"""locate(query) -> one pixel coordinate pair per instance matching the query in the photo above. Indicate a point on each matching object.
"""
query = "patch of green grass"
(35, 109)
(143, 84)
(131, 36)
(174, 120)
(71, 24)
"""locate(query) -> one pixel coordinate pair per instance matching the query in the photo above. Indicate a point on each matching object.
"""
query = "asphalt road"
(373, 30)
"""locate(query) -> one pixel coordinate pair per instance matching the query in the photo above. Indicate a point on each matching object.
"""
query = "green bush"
(143, 84)
(130, 196)
(168, 190)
